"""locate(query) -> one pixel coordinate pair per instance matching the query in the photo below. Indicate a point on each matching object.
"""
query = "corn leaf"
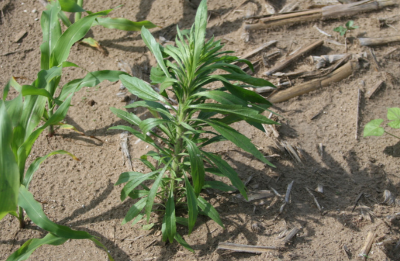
(70, 6)
(14, 110)
(123, 24)
(9, 173)
(36, 164)
(51, 30)
(73, 34)
(90, 80)
(31, 245)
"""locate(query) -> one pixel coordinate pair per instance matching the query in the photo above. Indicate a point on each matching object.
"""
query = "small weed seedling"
(344, 30)
(348, 27)
(373, 128)
(181, 158)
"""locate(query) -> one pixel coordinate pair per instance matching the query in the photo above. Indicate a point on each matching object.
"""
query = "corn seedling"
(181, 160)
(76, 6)
(19, 126)
(55, 50)
(373, 128)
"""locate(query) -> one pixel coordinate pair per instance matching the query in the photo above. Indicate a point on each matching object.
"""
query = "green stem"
(392, 135)
(78, 15)
(21, 218)
(50, 129)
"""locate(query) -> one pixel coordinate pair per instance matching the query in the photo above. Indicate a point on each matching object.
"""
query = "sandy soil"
(82, 194)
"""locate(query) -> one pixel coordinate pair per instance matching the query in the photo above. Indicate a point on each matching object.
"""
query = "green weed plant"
(373, 128)
(180, 162)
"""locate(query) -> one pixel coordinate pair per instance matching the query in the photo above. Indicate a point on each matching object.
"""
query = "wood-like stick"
(293, 57)
(367, 246)
(374, 89)
(379, 40)
(246, 248)
(290, 235)
(258, 49)
(337, 75)
(358, 112)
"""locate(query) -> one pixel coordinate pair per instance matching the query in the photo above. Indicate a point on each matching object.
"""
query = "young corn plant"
(76, 6)
(19, 129)
(55, 50)
(182, 162)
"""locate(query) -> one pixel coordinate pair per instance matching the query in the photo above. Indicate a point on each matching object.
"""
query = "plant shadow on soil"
(339, 194)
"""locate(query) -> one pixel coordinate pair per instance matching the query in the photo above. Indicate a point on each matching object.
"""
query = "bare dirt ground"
(82, 194)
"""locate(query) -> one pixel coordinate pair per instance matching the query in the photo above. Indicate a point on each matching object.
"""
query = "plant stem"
(21, 218)
(50, 129)
(78, 15)
(392, 135)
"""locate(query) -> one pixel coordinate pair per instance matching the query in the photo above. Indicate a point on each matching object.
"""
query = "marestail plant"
(180, 134)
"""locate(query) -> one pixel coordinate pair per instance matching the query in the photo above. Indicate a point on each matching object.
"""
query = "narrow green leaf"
(393, 115)
(239, 140)
(31, 90)
(73, 34)
(170, 220)
(123, 24)
(154, 47)
(31, 245)
(134, 211)
(148, 124)
(137, 219)
(182, 241)
(9, 173)
(246, 95)
(197, 165)
(51, 30)
(132, 184)
(138, 194)
(209, 210)
(91, 79)
(192, 204)
(245, 113)
(70, 6)
(127, 116)
(35, 213)
(14, 110)
(182, 221)
(373, 128)
(227, 171)
(200, 24)
(247, 79)
(222, 97)
(218, 185)
(153, 191)
(35, 165)
(140, 88)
